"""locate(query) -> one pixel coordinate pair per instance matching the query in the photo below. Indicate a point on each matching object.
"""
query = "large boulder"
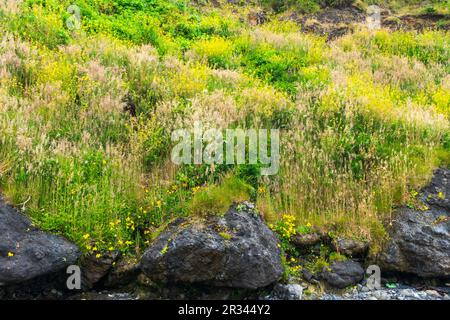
(342, 274)
(236, 250)
(26, 252)
(420, 239)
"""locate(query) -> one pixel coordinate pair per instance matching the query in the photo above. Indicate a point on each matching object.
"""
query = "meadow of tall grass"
(86, 118)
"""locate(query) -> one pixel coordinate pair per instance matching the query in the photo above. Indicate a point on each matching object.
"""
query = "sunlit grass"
(86, 118)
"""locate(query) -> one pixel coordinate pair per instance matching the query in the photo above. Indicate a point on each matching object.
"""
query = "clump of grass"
(226, 235)
(217, 199)
(335, 256)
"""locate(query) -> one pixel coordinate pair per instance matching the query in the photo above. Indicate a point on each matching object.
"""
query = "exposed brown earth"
(336, 22)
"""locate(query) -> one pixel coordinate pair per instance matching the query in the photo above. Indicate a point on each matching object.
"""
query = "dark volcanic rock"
(237, 250)
(102, 296)
(122, 274)
(287, 292)
(309, 276)
(437, 192)
(27, 253)
(48, 287)
(419, 22)
(351, 248)
(420, 240)
(305, 241)
(330, 22)
(419, 245)
(342, 274)
(93, 270)
(256, 18)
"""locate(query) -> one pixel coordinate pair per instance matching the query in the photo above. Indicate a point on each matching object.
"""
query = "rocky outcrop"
(350, 247)
(123, 273)
(420, 238)
(418, 22)
(330, 22)
(256, 18)
(236, 250)
(287, 292)
(94, 269)
(26, 252)
(306, 241)
(437, 192)
(342, 274)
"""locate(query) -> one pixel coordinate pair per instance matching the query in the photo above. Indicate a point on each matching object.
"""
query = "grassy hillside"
(309, 6)
(86, 117)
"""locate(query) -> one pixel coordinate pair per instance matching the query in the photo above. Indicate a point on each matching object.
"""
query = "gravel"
(400, 293)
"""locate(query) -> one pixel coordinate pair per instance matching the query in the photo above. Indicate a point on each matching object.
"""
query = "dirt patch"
(336, 22)
(429, 21)
(330, 22)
